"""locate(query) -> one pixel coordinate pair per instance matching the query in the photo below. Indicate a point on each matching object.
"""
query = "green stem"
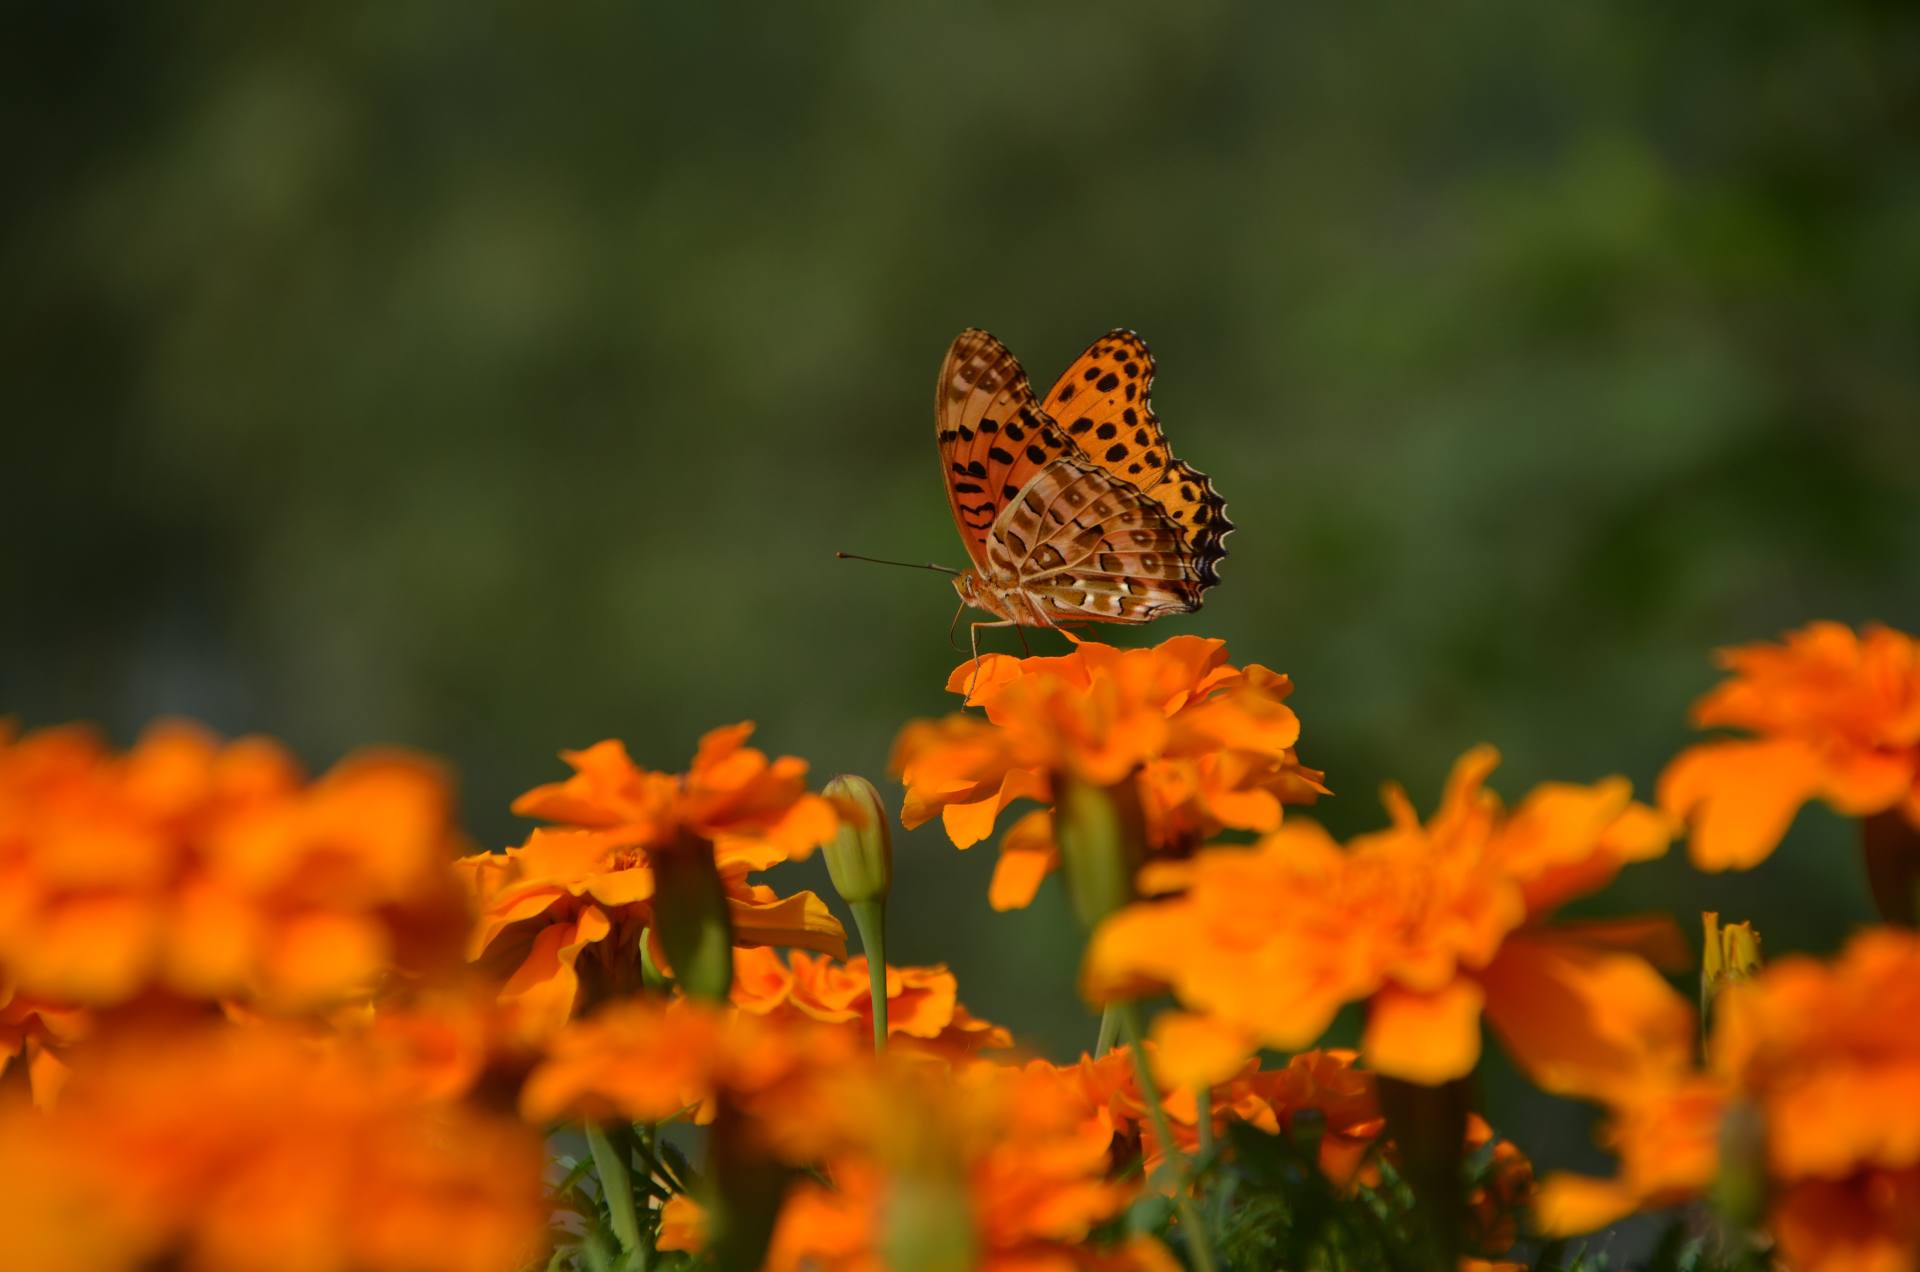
(1203, 1104)
(1134, 1036)
(616, 1185)
(1109, 1026)
(870, 917)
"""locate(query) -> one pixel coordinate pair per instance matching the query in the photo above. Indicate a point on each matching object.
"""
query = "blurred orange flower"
(1836, 717)
(38, 1033)
(652, 1060)
(1824, 1060)
(983, 1165)
(923, 1005)
(1430, 924)
(1212, 746)
(214, 870)
(587, 888)
(241, 1149)
(1323, 1083)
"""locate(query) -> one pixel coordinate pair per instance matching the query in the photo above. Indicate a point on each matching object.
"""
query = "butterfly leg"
(974, 631)
(953, 626)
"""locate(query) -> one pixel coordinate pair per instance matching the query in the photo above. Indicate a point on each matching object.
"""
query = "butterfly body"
(1072, 506)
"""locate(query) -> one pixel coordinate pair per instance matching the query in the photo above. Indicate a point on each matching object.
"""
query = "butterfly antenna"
(911, 565)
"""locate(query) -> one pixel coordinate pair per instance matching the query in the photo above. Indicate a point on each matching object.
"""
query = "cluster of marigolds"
(253, 1019)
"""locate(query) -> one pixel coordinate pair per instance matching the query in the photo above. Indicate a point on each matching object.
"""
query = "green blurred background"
(493, 379)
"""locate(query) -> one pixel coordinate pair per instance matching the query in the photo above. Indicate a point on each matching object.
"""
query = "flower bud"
(1731, 953)
(860, 854)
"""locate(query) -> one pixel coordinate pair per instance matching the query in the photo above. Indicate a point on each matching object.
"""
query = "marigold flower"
(1825, 1060)
(651, 1060)
(38, 1033)
(1322, 1083)
(1210, 745)
(1430, 924)
(755, 812)
(585, 890)
(983, 1165)
(1836, 717)
(245, 1148)
(923, 1005)
(213, 870)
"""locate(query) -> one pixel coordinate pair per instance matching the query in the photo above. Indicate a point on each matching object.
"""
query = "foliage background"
(493, 379)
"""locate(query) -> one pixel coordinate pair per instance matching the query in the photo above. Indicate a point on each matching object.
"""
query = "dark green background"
(493, 379)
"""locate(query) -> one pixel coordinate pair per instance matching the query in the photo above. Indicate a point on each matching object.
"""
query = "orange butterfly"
(1072, 507)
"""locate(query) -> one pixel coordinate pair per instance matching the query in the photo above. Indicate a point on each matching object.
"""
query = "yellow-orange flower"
(38, 1033)
(1431, 925)
(983, 1162)
(242, 1149)
(584, 890)
(651, 1060)
(1836, 717)
(755, 812)
(211, 870)
(923, 1004)
(1323, 1083)
(1825, 1062)
(1210, 745)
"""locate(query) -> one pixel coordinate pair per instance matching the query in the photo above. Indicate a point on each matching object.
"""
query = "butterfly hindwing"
(1085, 545)
(992, 433)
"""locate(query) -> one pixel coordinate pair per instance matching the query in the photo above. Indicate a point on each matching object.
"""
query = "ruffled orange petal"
(801, 920)
(1425, 1038)
(1027, 856)
(1584, 1021)
(1191, 1051)
(1739, 797)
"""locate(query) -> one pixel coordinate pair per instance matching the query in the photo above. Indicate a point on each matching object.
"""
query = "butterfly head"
(967, 584)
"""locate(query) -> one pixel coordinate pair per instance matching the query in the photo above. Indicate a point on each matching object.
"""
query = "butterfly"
(1072, 507)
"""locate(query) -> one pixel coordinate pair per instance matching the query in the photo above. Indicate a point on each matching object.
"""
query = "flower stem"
(870, 917)
(1203, 1104)
(1109, 1026)
(1131, 1032)
(616, 1186)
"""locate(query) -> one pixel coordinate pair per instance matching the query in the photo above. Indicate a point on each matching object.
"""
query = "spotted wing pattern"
(1085, 545)
(1103, 402)
(992, 433)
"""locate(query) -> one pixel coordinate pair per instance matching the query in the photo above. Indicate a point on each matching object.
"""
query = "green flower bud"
(860, 854)
(1731, 952)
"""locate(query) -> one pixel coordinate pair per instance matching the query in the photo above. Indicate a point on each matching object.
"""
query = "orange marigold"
(1323, 1083)
(1430, 924)
(38, 1033)
(923, 1003)
(585, 890)
(1211, 747)
(1836, 717)
(651, 1060)
(983, 1165)
(235, 1150)
(1824, 1060)
(215, 870)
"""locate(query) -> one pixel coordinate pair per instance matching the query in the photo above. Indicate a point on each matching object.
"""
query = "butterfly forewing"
(1104, 403)
(992, 434)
